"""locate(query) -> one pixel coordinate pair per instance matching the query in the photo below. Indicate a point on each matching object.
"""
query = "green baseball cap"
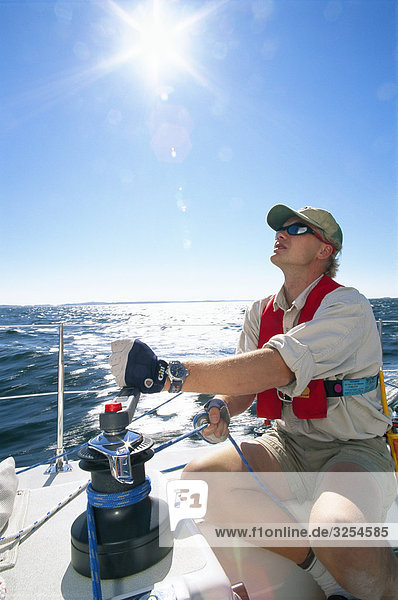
(318, 217)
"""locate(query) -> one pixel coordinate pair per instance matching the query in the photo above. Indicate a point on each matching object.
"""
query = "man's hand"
(134, 364)
(218, 417)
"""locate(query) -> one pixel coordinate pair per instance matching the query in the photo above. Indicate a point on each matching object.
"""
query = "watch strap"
(175, 386)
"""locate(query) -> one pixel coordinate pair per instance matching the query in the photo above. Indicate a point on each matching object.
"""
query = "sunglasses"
(300, 229)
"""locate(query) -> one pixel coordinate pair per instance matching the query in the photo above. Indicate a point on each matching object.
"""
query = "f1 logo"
(187, 499)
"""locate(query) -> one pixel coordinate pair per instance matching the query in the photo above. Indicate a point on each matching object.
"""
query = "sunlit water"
(29, 359)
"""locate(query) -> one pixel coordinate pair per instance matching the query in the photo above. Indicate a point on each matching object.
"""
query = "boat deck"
(43, 570)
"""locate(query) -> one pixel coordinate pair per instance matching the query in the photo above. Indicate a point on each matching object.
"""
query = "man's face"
(295, 250)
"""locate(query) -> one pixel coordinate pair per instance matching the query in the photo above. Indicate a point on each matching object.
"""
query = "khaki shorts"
(302, 456)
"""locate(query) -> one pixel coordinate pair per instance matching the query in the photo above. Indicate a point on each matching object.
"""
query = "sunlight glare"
(153, 40)
(156, 39)
(160, 44)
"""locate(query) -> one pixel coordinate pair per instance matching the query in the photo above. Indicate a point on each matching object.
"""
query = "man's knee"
(228, 459)
(259, 458)
(367, 572)
(218, 461)
(197, 465)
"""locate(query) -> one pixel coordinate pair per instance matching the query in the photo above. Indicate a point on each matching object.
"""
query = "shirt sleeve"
(328, 345)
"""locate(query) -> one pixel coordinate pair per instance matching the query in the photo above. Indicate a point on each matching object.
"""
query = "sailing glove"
(134, 364)
(203, 417)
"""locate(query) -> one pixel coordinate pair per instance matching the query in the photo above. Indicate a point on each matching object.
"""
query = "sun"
(156, 39)
(161, 44)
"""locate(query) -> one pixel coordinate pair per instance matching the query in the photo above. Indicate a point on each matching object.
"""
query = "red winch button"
(113, 406)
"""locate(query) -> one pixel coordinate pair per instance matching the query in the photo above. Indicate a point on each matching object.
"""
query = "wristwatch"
(177, 373)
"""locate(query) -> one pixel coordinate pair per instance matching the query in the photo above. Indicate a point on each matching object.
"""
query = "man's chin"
(274, 258)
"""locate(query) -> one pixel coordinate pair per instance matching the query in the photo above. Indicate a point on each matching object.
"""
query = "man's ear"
(325, 252)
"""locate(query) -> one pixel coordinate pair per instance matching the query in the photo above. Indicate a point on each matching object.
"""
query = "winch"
(128, 520)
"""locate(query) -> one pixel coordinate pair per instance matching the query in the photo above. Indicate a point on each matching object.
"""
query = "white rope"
(16, 536)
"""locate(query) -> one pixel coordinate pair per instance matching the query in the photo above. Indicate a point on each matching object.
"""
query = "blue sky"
(142, 144)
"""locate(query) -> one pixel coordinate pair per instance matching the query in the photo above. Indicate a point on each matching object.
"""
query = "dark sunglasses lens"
(298, 229)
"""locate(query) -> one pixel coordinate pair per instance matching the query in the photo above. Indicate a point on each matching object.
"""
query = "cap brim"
(280, 213)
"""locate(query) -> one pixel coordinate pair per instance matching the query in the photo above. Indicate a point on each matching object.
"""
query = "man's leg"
(258, 507)
(348, 495)
(255, 501)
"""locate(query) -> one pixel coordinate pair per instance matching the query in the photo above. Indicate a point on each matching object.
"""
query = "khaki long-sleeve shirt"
(340, 342)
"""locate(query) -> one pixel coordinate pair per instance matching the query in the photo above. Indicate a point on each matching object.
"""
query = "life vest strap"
(350, 387)
(343, 387)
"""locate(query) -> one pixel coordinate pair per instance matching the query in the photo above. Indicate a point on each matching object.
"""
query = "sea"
(29, 355)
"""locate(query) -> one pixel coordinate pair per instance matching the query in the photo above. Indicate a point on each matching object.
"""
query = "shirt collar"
(281, 302)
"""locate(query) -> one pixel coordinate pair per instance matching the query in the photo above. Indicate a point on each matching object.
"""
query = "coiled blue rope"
(98, 500)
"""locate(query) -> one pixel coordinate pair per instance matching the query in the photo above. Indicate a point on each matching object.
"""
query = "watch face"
(178, 370)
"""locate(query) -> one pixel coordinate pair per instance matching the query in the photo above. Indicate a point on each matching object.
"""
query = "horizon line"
(105, 302)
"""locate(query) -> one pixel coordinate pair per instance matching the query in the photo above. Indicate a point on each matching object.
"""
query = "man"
(295, 353)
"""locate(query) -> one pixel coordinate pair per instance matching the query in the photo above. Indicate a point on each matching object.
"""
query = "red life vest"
(312, 404)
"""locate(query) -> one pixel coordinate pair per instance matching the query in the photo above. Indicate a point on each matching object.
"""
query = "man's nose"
(280, 235)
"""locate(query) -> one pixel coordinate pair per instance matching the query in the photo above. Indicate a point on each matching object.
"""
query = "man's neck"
(296, 283)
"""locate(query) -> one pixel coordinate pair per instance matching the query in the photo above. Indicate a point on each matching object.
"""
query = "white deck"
(43, 570)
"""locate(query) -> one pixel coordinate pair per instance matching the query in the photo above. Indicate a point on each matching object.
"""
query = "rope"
(119, 499)
(260, 483)
(179, 438)
(152, 410)
(16, 536)
(98, 500)
(243, 458)
(50, 460)
(176, 468)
